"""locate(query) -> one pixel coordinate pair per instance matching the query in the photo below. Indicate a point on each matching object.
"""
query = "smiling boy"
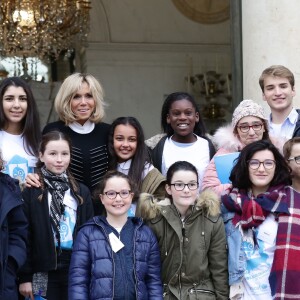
(278, 87)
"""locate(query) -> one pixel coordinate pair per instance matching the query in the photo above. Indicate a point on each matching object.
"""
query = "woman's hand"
(32, 180)
(25, 290)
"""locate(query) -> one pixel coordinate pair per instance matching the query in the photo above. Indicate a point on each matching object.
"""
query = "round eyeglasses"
(113, 194)
(296, 159)
(178, 186)
(268, 164)
(246, 128)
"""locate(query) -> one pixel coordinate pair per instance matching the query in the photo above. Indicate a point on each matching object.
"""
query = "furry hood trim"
(149, 208)
(225, 138)
(153, 141)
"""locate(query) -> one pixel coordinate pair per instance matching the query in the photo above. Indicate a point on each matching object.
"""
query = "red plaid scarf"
(285, 272)
(251, 212)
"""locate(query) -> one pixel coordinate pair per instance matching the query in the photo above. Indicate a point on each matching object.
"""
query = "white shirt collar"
(86, 128)
(292, 117)
(124, 165)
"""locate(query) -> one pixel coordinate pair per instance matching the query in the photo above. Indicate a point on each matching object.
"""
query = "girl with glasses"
(191, 236)
(249, 124)
(129, 155)
(54, 211)
(256, 212)
(115, 257)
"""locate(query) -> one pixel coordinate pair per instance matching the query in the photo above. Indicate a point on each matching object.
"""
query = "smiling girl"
(185, 135)
(54, 212)
(19, 128)
(191, 237)
(249, 124)
(129, 155)
(115, 257)
(256, 213)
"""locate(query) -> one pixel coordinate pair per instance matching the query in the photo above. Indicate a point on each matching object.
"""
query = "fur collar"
(154, 140)
(225, 138)
(149, 208)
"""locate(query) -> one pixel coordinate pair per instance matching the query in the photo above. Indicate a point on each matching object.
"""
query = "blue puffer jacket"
(92, 264)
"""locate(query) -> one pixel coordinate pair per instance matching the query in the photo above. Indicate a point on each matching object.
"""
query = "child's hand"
(32, 180)
(25, 289)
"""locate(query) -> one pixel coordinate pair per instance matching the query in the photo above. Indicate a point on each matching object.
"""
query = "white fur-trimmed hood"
(225, 138)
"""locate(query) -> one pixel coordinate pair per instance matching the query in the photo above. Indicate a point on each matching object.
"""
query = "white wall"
(142, 50)
(271, 30)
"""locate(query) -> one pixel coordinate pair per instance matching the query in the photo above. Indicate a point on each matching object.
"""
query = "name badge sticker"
(115, 243)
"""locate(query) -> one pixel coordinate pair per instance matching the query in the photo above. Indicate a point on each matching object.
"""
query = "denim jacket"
(236, 256)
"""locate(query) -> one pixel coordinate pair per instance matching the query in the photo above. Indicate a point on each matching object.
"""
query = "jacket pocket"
(200, 294)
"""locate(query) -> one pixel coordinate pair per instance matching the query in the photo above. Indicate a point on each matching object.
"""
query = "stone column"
(271, 36)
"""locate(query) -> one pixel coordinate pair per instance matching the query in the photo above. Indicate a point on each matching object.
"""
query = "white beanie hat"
(247, 108)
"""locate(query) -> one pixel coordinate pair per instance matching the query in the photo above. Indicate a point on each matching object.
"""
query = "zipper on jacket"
(112, 255)
(134, 260)
(195, 290)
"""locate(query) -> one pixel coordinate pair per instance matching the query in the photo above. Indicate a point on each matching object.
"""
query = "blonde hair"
(69, 88)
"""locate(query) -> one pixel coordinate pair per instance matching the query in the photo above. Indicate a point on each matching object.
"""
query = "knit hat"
(247, 108)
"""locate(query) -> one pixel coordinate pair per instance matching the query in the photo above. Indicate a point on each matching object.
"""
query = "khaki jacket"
(193, 251)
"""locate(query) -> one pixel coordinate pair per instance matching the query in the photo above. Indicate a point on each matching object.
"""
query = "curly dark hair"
(199, 128)
(239, 175)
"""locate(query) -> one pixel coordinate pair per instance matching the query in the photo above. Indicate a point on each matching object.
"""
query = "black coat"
(41, 254)
(296, 132)
(13, 232)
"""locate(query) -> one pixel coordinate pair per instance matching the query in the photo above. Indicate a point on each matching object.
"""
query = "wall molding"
(160, 47)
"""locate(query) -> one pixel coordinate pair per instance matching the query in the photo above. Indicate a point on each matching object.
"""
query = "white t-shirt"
(260, 260)
(17, 162)
(196, 153)
(124, 168)
(67, 221)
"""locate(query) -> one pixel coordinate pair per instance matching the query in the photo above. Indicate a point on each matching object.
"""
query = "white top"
(124, 168)
(286, 129)
(260, 260)
(17, 162)
(67, 221)
(196, 153)
(86, 128)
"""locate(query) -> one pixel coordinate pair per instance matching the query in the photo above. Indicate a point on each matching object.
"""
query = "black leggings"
(58, 279)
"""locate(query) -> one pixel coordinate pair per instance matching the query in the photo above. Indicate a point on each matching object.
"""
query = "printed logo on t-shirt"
(17, 167)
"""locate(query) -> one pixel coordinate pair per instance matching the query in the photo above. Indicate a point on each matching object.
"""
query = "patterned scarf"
(57, 186)
(251, 212)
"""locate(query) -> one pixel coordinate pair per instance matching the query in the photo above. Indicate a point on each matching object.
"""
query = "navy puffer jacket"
(92, 265)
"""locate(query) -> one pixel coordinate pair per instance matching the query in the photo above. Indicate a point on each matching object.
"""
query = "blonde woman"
(80, 107)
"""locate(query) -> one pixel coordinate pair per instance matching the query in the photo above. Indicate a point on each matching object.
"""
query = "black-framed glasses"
(296, 159)
(179, 186)
(246, 128)
(268, 164)
(113, 194)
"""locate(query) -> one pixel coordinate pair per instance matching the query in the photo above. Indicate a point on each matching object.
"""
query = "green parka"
(193, 251)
